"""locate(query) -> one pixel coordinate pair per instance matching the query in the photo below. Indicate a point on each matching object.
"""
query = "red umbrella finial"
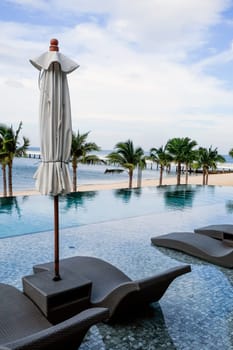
(53, 45)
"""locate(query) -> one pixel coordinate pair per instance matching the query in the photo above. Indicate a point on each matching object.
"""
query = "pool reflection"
(9, 205)
(127, 194)
(179, 197)
(75, 200)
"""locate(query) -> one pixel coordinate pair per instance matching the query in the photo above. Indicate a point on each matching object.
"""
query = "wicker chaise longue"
(113, 289)
(213, 243)
(24, 327)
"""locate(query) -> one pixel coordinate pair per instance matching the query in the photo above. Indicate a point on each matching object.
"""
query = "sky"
(150, 70)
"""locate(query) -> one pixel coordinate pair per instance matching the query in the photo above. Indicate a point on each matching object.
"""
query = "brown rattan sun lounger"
(23, 327)
(201, 246)
(113, 289)
(223, 232)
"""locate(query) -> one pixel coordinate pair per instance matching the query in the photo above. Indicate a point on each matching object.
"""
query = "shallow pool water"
(196, 311)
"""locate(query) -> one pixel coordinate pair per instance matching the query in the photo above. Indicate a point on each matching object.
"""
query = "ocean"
(25, 168)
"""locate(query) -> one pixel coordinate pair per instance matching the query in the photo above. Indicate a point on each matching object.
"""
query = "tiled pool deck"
(196, 312)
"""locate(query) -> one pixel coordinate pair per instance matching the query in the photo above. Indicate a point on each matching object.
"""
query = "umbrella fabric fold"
(46, 59)
(52, 176)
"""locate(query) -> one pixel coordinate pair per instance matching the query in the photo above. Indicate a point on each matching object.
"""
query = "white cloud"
(161, 25)
(134, 81)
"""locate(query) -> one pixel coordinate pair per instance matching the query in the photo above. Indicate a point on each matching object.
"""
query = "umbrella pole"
(57, 276)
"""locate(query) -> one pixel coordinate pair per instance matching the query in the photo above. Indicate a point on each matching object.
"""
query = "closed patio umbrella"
(52, 176)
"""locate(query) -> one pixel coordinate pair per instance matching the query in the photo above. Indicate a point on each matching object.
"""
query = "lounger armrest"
(61, 335)
(167, 275)
(113, 299)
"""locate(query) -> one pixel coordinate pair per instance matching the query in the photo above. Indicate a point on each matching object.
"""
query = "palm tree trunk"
(4, 180)
(161, 176)
(206, 177)
(178, 173)
(186, 174)
(10, 188)
(130, 178)
(203, 176)
(74, 167)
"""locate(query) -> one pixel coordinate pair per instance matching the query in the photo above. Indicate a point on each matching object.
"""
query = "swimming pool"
(195, 313)
(31, 214)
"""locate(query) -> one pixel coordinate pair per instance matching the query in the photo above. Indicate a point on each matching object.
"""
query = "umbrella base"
(60, 300)
(57, 278)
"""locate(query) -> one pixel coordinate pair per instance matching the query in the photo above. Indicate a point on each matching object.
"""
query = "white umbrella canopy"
(52, 176)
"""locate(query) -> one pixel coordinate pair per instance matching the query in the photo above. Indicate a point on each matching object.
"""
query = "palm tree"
(189, 155)
(11, 148)
(180, 150)
(208, 158)
(126, 156)
(80, 153)
(231, 152)
(3, 162)
(162, 158)
(176, 147)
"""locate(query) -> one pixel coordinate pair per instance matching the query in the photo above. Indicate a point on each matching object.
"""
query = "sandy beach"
(225, 179)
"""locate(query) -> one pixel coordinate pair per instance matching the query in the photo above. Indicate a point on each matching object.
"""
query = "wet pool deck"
(196, 312)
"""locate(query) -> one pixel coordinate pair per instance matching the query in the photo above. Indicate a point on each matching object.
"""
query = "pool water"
(31, 214)
(196, 311)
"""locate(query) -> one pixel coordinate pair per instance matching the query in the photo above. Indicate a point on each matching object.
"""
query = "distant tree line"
(180, 151)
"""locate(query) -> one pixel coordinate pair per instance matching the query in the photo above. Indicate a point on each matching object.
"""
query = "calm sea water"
(25, 168)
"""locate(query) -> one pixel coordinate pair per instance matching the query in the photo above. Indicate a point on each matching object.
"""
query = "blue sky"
(149, 70)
